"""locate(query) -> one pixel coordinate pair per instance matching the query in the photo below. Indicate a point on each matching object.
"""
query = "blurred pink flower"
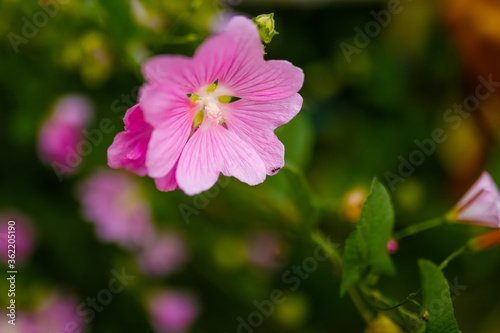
(61, 133)
(58, 313)
(163, 254)
(480, 205)
(172, 311)
(264, 249)
(199, 130)
(112, 201)
(24, 237)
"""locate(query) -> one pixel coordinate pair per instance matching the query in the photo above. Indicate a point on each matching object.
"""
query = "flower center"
(212, 110)
(208, 101)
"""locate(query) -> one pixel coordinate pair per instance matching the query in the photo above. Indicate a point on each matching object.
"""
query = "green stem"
(453, 256)
(378, 298)
(418, 227)
(359, 303)
(408, 299)
(319, 239)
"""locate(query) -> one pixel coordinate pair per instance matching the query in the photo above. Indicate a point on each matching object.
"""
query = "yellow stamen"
(198, 119)
(194, 98)
(225, 99)
(212, 87)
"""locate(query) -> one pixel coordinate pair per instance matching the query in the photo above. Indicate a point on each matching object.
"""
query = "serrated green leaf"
(436, 299)
(367, 246)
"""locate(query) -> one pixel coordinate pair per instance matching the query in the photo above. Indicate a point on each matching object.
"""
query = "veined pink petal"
(481, 204)
(235, 58)
(263, 140)
(265, 81)
(255, 121)
(171, 114)
(264, 114)
(129, 147)
(174, 69)
(212, 150)
(235, 50)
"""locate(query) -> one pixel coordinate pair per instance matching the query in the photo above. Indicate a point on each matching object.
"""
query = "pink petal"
(254, 122)
(212, 150)
(129, 147)
(224, 55)
(264, 114)
(265, 143)
(171, 113)
(267, 80)
(235, 58)
(175, 69)
(485, 182)
(481, 204)
(168, 182)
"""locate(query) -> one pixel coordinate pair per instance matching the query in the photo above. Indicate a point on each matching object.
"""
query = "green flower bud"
(265, 23)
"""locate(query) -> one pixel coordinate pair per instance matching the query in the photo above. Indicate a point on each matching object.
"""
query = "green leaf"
(353, 259)
(436, 299)
(367, 246)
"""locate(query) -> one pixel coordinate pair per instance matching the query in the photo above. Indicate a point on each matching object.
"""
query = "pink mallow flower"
(24, 237)
(213, 113)
(112, 201)
(61, 134)
(163, 254)
(58, 313)
(480, 205)
(172, 311)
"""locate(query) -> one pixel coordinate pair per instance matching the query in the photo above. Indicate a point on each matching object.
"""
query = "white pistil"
(212, 110)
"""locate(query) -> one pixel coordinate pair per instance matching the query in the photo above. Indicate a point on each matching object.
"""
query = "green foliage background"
(356, 120)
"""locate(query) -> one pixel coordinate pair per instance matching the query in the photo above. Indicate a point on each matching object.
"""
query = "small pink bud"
(480, 205)
(392, 246)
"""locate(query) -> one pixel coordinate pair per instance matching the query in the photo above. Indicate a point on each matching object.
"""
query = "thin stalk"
(453, 256)
(418, 227)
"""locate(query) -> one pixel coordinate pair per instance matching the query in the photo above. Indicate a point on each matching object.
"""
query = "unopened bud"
(485, 241)
(265, 24)
(392, 246)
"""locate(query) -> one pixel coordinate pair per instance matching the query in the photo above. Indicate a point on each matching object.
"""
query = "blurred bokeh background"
(70, 69)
